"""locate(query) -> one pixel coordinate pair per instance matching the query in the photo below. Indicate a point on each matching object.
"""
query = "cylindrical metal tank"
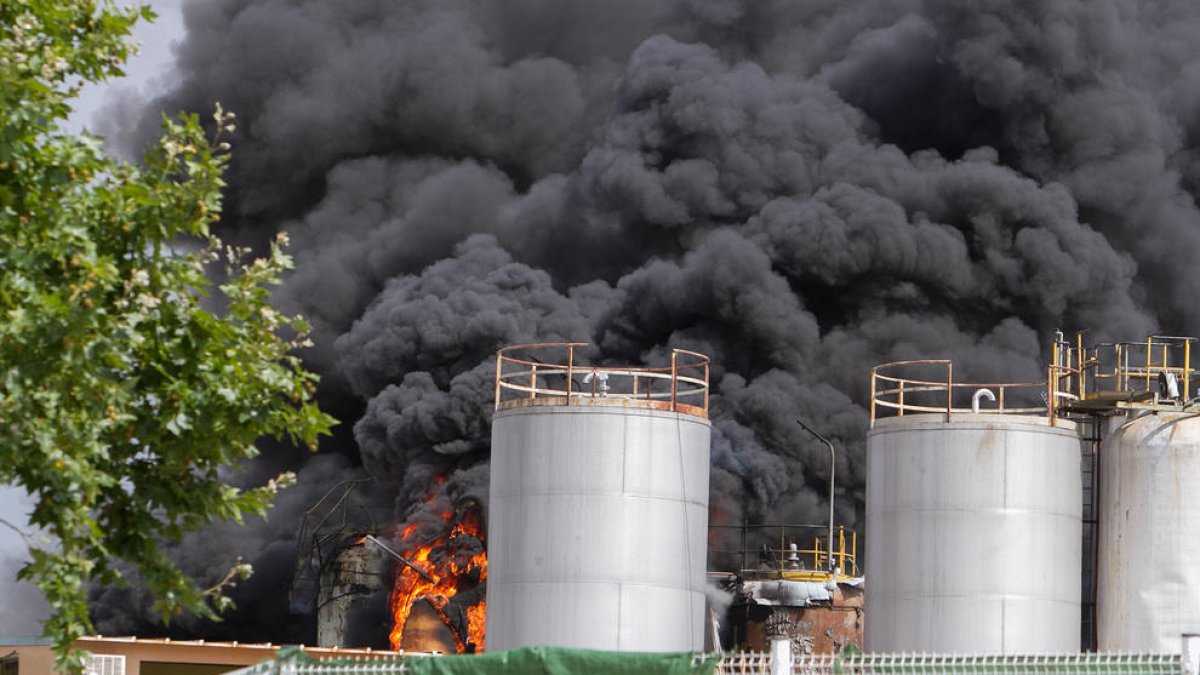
(973, 534)
(354, 576)
(1148, 593)
(597, 530)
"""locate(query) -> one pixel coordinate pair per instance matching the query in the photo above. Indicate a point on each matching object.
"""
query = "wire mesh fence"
(896, 664)
(354, 667)
(758, 663)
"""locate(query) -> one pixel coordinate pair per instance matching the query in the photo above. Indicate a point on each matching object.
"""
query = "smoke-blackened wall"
(799, 189)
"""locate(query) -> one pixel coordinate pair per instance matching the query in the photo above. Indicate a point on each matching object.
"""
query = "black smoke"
(799, 189)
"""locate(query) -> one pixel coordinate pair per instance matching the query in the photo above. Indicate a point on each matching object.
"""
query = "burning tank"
(437, 601)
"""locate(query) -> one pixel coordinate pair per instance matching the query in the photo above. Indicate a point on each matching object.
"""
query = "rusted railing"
(892, 391)
(547, 373)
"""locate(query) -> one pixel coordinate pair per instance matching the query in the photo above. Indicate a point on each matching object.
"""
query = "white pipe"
(980, 393)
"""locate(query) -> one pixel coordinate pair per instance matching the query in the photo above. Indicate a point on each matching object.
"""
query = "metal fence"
(752, 663)
(364, 667)
(758, 663)
(104, 664)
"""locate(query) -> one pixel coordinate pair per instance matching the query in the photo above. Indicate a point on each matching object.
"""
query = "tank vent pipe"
(981, 393)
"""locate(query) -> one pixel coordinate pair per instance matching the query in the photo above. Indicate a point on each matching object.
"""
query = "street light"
(832, 469)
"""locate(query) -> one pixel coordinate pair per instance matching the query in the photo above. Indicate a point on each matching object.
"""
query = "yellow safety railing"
(1126, 367)
(548, 373)
(793, 552)
(895, 391)
(1077, 373)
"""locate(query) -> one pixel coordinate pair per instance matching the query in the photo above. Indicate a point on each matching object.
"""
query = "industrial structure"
(1143, 446)
(1002, 518)
(598, 514)
(790, 585)
(357, 572)
(1036, 517)
(974, 517)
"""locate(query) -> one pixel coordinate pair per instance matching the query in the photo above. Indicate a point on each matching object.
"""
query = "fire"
(448, 561)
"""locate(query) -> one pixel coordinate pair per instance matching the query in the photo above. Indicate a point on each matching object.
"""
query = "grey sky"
(22, 608)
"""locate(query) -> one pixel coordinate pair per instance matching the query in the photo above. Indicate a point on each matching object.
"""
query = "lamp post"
(832, 470)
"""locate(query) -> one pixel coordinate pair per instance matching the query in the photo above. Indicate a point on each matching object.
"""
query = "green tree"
(130, 382)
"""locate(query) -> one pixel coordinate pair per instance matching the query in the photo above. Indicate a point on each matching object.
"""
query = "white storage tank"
(1149, 560)
(598, 512)
(974, 523)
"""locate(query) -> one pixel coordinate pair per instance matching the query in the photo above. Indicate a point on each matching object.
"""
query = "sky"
(23, 608)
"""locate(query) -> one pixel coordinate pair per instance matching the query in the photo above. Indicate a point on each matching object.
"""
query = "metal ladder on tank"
(1090, 436)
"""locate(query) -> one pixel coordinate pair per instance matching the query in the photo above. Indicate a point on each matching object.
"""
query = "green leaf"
(124, 400)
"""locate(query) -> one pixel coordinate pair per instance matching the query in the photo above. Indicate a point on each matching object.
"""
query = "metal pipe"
(499, 366)
(399, 557)
(1079, 363)
(1149, 353)
(981, 393)
(832, 470)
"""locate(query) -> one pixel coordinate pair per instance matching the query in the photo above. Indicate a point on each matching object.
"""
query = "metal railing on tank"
(792, 552)
(1137, 369)
(927, 386)
(549, 374)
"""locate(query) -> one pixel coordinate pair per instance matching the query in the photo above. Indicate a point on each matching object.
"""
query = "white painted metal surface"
(355, 574)
(973, 535)
(1149, 562)
(597, 528)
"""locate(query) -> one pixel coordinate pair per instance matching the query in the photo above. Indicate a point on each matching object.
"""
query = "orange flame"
(447, 570)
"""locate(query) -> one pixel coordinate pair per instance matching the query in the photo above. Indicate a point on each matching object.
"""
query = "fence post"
(1191, 654)
(781, 656)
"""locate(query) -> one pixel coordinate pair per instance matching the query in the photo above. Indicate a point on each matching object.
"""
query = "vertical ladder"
(1090, 439)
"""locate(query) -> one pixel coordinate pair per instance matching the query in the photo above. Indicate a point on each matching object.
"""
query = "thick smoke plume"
(799, 189)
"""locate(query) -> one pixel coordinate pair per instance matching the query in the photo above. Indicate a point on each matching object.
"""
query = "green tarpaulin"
(560, 661)
(524, 661)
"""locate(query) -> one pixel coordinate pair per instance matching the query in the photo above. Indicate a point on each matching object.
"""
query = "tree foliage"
(131, 384)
